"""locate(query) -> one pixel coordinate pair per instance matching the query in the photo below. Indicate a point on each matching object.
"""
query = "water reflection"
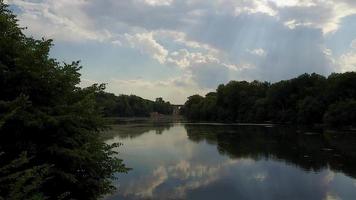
(135, 129)
(193, 161)
(307, 151)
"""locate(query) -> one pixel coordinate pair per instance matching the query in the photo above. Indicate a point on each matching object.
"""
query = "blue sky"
(176, 48)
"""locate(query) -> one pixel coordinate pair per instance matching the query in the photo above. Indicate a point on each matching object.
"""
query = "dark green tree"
(308, 99)
(130, 105)
(43, 112)
(18, 181)
(192, 107)
(341, 114)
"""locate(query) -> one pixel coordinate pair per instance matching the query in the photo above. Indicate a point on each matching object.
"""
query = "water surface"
(217, 161)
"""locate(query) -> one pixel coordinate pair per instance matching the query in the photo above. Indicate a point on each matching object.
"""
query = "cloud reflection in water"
(210, 165)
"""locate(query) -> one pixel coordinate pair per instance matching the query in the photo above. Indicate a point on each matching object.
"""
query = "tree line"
(306, 100)
(130, 105)
(50, 129)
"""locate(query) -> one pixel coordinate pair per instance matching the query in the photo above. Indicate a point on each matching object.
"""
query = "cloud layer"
(209, 41)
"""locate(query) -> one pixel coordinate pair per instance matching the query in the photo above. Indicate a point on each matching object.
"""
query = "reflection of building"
(176, 109)
(175, 113)
(156, 115)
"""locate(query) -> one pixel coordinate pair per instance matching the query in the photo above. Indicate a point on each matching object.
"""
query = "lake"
(229, 161)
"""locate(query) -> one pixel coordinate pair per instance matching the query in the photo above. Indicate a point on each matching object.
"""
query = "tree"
(310, 111)
(18, 182)
(341, 114)
(44, 113)
(191, 107)
(308, 99)
(130, 105)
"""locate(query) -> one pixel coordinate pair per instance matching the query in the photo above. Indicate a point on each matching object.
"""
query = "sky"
(176, 48)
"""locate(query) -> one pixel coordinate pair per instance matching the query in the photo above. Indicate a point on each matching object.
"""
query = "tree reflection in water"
(309, 151)
(211, 161)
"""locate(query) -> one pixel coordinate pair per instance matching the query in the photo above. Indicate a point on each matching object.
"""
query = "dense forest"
(50, 141)
(306, 100)
(130, 105)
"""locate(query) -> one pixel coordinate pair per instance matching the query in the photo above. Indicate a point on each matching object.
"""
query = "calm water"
(214, 161)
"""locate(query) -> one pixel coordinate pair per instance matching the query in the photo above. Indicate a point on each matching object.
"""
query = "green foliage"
(308, 99)
(341, 114)
(160, 106)
(130, 105)
(310, 110)
(44, 113)
(192, 107)
(18, 181)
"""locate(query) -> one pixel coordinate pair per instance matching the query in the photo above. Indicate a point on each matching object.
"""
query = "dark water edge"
(233, 161)
(182, 119)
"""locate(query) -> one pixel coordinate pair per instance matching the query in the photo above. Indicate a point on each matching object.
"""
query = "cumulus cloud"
(169, 14)
(60, 19)
(292, 24)
(254, 6)
(158, 2)
(211, 41)
(185, 59)
(347, 61)
(179, 37)
(324, 15)
(187, 53)
(206, 64)
(147, 44)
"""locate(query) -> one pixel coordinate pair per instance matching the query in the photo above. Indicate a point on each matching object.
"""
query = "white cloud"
(84, 82)
(75, 18)
(255, 6)
(158, 2)
(258, 52)
(292, 24)
(347, 61)
(323, 14)
(289, 3)
(205, 39)
(60, 19)
(181, 38)
(320, 14)
(183, 58)
(147, 44)
(193, 58)
(180, 58)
